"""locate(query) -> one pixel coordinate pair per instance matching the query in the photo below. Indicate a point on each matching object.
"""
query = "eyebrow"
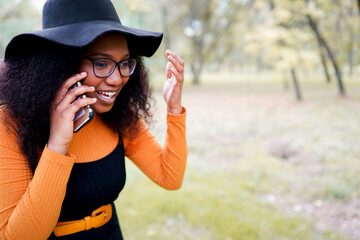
(108, 56)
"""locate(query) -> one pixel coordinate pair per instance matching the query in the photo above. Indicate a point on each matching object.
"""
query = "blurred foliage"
(223, 35)
(17, 17)
(266, 34)
(261, 35)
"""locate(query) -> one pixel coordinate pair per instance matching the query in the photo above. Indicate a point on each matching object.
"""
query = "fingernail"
(94, 99)
(92, 88)
(83, 74)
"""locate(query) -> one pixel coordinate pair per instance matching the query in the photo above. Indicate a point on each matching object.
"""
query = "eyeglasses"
(104, 67)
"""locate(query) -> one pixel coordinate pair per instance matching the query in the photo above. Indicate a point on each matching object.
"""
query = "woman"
(56, 184)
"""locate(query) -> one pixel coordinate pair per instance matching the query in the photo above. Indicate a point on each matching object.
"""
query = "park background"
(272, 93)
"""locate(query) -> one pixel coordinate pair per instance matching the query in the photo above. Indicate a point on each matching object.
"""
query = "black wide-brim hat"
(77, 23)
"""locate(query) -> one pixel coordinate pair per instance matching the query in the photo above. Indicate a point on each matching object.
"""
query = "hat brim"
(145, 43)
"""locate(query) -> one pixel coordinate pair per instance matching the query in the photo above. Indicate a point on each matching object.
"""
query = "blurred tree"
(223, 35)
(285, 26)
(340, 26)
(281, 39)
(284, 23)
(263, 34)
(296, 84)
(208, 22)
(16, 17)
(322, 54)
(314, 26)
(348, 18)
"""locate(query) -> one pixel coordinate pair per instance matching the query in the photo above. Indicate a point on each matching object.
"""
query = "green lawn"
(260, 166)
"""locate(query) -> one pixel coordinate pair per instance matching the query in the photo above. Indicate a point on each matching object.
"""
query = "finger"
(73, 79)
(83, 102)
(79, 90)
(169, 66)
(70, 111)
(73, 93)
(176, 57)
(68, 83)
(179, 76)
(176, 64)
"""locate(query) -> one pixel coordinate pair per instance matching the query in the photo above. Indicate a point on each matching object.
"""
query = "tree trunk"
(196, 69)
(198, 59)
(324, 64)
(314, 27)
(272, 4)
(208, 31)
(259, 61)
(196, 75)
(296, 84)
(198, 40)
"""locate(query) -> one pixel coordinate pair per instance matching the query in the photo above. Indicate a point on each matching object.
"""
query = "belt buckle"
(104, 211)
(99, 211)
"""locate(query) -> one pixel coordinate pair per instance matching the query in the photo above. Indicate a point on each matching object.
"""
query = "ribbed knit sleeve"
(30, 204)
(164, 165)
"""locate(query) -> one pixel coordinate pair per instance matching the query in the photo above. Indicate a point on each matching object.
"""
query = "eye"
(101, 63)
(125, 64)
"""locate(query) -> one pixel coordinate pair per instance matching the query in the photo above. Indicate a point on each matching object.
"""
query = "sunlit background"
(272, 92)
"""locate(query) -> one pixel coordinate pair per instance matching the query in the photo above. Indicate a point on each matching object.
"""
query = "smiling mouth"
(106, 96)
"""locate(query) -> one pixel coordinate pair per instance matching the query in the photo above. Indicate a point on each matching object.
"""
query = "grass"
(216, 208)
(260, 166)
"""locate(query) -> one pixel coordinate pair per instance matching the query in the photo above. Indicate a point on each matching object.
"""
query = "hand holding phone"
(62, 113)
(84, 115)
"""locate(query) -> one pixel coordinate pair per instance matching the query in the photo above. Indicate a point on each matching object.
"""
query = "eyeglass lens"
(103, 67)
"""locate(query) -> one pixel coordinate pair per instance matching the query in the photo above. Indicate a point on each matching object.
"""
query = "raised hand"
(174, 82)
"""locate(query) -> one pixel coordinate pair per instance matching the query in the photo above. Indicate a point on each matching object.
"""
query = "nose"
(115, 78)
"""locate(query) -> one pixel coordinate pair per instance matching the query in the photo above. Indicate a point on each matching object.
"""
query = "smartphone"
(84, 115)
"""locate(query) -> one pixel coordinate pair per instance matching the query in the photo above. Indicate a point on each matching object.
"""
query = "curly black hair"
(31, 80)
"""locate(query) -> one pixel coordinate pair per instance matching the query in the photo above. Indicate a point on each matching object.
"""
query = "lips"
(106, 96)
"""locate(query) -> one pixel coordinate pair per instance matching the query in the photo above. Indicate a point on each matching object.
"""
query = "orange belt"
(97, 219)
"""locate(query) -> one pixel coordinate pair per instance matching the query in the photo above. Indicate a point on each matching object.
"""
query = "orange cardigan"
(30, 204)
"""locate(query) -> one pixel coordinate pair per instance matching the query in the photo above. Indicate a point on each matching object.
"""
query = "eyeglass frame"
(117, 64)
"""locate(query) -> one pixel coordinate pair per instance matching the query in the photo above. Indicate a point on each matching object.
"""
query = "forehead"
(113, 44)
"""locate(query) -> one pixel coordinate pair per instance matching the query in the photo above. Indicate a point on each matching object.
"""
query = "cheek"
(91, 80)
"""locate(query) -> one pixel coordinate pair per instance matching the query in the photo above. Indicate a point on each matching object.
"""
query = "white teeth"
(107, 94)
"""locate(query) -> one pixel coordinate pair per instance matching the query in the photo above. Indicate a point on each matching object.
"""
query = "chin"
(102, 108)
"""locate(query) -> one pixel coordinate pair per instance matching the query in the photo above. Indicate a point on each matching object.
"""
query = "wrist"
(175, 111)
(61, 149)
